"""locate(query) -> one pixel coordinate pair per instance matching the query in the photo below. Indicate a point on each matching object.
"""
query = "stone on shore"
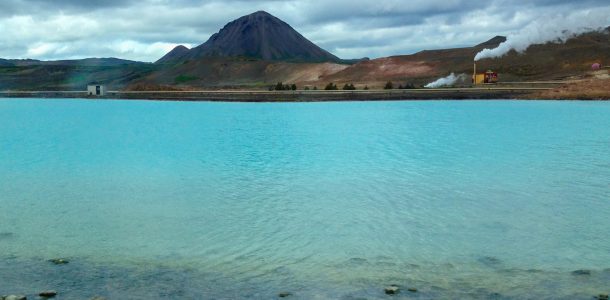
(48, 294)
(392, 290)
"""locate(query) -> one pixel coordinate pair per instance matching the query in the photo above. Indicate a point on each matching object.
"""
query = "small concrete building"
(95, 89)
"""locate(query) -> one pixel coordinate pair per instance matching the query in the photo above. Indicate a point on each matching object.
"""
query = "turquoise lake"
(202, 200)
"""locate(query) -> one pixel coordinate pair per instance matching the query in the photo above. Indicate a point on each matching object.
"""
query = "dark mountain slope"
(494, 42)
(174, 55)
(259, 36)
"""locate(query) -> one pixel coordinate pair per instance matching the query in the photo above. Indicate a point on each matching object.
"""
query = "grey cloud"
(349, 28)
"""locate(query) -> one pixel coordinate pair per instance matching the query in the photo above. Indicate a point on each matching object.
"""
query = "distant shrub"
(388, 86)
(349, 87)
(280, 86)
(408, 86)
(331, 87)
(366, 87)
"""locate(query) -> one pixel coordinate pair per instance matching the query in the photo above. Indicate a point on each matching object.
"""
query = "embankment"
(294, 96)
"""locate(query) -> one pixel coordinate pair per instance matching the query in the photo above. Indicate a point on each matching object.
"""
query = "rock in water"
(15, 297)
(59, 261)
(392, 290)
(6, 235)
(602, 297)
(581, 272)
(490, 261)
(48, 294)
(412, 290)
(98, 298)
(284, 294)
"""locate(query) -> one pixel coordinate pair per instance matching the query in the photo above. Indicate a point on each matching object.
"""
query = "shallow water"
(460, 199)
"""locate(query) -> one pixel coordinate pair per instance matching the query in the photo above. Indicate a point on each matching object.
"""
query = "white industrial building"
(96, 90)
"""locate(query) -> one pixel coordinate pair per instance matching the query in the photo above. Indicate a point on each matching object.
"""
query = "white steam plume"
(446, 81)
(545, 29)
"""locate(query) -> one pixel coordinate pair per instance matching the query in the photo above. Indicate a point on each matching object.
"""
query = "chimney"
(474, 74)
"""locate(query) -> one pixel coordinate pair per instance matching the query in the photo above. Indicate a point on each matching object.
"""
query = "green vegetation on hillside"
(180, 79)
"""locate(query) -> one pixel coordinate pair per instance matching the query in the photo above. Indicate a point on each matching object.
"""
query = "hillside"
(549, 61)
(69, 77)
(215, 72)
(554, 61)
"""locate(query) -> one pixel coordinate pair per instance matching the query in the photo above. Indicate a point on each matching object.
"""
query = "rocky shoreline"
(68, 279)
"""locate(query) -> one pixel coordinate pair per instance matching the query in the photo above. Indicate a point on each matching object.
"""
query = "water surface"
(460, 199)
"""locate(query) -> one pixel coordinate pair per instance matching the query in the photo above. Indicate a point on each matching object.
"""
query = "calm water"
(460, 199)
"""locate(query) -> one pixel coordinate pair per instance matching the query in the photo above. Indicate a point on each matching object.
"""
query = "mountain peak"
(261, 13)
(174, 55)
(260, 35)
(180, 48)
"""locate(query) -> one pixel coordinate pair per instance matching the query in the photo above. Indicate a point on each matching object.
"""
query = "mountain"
(258, 36)
(173, 55)
(96, 62)
(89, 62)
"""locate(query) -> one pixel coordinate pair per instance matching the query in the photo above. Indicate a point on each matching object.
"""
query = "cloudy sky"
(146, 29)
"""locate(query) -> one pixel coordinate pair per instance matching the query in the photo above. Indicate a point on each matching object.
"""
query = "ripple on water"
(326, 200)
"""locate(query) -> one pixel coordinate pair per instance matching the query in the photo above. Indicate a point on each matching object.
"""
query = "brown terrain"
(595, 86)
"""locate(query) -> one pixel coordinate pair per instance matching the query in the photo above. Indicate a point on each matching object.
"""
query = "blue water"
(170, 200)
